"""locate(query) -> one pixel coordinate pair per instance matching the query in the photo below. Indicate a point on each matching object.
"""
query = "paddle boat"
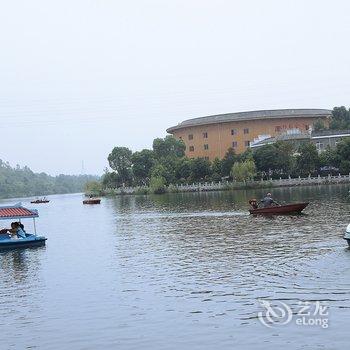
(17, 213)
(347, 235)
(41, 200)
(294, 208)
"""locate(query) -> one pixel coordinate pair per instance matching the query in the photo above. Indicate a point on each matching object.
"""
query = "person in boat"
(17, 230)
(254, 203)
(3, 231)
(268, 201)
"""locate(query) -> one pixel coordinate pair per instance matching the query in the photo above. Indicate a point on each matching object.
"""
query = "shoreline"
(229, 186)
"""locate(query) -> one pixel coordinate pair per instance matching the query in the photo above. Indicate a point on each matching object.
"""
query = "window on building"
(247, 143)
(278, 128)
(206, 146)
(233, 131)
(246, 131)
(191, 148)
(307, 127)
(234, 144)
(205, 135)
(206, 158)
(190, 136)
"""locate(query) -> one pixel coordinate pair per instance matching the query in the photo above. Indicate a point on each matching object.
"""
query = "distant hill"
(22, 182)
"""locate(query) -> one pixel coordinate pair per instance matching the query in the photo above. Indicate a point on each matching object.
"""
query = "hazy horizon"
(80, 77)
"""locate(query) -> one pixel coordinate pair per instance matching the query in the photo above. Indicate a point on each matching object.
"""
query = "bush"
(157, 185)
(142, 190)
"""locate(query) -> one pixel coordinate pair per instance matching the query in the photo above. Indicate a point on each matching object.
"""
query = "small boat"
(17, 212)
(347, 235)
(295, 208)
(92, 201)
(41, 200)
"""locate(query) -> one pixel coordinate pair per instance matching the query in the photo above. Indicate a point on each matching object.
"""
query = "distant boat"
(347, 235)
(17, 212)
(92, 201)
(40, 200)
(295, 208)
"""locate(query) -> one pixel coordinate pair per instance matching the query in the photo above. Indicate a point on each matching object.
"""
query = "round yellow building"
(210, 137)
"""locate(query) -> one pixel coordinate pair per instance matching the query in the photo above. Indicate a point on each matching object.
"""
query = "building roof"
(253, 115)
(330, 133)
(282, 137)
(17, 212)
(301, 136)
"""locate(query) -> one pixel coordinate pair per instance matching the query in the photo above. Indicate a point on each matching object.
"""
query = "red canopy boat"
(281, 209)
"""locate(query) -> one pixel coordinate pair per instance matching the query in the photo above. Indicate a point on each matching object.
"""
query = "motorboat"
(40, 200)
(347, 235)
(17, 213)
(92, 201)
(294, 208)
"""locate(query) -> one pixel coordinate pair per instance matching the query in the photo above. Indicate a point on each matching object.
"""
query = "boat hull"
(295, 208)
(92, 201)
(30, 241)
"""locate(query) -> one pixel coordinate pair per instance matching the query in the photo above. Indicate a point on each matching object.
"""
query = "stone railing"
(227, 185)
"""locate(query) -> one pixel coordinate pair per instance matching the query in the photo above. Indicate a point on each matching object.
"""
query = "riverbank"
(227, 186)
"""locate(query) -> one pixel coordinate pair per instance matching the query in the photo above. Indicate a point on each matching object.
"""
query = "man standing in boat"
(268, 201)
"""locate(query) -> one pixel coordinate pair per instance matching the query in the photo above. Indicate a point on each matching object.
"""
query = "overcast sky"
(79, 77)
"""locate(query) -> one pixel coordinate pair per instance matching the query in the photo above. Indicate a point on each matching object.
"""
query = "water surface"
(177, 271)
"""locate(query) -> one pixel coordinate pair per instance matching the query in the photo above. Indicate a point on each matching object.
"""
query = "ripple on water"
(138, 271)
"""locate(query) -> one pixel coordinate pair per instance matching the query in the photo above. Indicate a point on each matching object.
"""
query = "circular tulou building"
(211, 137)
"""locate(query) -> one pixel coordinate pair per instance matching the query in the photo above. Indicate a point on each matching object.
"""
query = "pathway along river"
(177, 271)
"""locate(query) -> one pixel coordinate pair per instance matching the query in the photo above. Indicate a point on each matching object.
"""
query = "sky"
(80, 77)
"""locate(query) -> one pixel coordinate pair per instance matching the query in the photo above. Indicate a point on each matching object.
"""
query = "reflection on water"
(177, 271)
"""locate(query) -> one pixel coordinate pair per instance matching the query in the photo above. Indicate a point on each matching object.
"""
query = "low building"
(322, 139)
(211, 137)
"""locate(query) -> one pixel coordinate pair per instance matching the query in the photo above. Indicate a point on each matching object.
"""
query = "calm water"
(180, 271)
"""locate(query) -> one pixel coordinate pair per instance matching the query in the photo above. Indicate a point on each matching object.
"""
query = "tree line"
(340, 120)
(22, 181)
(166, 164)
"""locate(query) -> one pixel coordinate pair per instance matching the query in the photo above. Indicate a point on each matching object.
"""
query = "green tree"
(200, 169)
(216, 168)
(308, 159)
(157, 184)
(183, 169)
(343, 155)
(227, 162)
(285, 157)
(277, 158)
(246, 155)
(265, 158)
(340, 118)
(120, 161)
(168, 147)
(111, 180)
(319, 125)
(329, 157)
(243, 171)
(20, 182)
(93, 187)
(142, 163)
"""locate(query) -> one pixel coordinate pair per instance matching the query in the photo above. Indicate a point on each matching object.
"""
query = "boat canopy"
(17, 212)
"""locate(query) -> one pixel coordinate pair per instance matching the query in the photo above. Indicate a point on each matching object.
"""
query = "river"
(178, 271)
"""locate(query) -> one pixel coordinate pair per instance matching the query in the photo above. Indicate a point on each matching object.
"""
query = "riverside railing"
(227, 185)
